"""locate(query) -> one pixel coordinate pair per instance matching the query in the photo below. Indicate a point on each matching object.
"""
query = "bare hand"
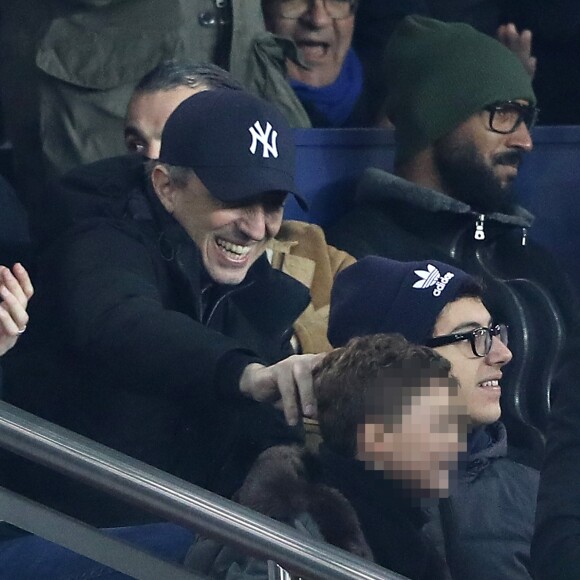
(15, 291)
(288, 382)
(520, 43)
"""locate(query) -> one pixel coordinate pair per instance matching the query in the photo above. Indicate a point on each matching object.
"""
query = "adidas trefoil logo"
(432, 277)
(267, 137)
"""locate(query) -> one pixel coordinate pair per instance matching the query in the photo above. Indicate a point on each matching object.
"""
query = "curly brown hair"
(371, 375)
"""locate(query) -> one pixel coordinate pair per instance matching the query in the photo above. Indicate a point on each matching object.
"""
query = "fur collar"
(380, 186)
(283, 484)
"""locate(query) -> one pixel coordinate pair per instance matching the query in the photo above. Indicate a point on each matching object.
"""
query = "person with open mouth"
(184, 325)
(328, 77)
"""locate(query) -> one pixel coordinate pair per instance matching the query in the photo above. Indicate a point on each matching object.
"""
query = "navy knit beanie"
(379, 295)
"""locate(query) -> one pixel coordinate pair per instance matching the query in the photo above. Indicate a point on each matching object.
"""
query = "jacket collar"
(284, 483)
(271, 290)
(480, 456)
(380, 186)
(371, 489)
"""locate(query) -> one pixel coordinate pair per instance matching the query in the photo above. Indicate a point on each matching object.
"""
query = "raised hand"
(15, 292)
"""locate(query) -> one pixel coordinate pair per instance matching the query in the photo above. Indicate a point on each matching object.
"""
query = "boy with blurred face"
(416, 442)
(440, 306)
(393, 406)
(392, 425)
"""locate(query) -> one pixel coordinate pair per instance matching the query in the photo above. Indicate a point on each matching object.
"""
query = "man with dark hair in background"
(69, 68)
(159, 92)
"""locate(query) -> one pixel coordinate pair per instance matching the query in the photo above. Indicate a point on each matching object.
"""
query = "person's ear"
(373, 440)
(164, 187)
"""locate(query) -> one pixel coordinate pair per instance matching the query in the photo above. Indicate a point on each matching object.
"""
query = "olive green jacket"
(69, 67)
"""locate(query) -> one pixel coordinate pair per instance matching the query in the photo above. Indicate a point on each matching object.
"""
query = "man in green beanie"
(463, 107)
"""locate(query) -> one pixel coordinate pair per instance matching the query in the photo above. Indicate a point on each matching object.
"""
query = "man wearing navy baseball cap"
(181, 326)
(224, 170)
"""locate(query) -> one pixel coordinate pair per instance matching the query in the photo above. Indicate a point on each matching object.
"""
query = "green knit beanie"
(439, 74)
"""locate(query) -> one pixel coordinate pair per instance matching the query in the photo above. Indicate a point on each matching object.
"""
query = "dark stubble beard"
(465, 176)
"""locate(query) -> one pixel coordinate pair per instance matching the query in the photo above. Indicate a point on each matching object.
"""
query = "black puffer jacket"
(524, 285)
(138, 363)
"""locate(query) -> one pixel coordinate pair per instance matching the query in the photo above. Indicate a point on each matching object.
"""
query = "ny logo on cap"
(267, 138)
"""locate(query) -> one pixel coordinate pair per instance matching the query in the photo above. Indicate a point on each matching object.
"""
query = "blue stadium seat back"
(329, 163)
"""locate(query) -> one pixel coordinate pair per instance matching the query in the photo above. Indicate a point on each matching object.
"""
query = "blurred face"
(230, 237)
(478, 166)
(478, 377)
(422, 447)
(322, 40)
(147, 114)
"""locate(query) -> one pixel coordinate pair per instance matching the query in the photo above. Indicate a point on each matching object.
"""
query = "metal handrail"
(176, 500)
(88, 541)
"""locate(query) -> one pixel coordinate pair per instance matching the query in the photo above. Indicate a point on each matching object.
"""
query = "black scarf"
(390, 518)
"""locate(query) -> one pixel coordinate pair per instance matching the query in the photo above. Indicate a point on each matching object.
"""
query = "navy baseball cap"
(380, 295)
(238, 145)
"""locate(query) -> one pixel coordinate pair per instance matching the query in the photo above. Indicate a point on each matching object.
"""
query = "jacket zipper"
(480, 230)
(222, 298)
(479, 227)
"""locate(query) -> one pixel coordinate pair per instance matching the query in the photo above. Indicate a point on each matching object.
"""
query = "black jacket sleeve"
(111, 309)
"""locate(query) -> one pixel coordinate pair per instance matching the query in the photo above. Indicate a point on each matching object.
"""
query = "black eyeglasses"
(507, 116)
(479, 338)
(336, 9)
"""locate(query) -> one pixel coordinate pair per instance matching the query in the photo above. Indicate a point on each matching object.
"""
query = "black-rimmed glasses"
(336, 9)
(480, 338)
(507, 116)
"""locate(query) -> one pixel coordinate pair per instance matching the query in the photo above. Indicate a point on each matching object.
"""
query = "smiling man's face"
(323, 41)
(230, 237)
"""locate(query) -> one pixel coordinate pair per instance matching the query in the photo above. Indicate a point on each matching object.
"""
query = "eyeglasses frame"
(352, 4)
(494, 330)
(495, 107)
